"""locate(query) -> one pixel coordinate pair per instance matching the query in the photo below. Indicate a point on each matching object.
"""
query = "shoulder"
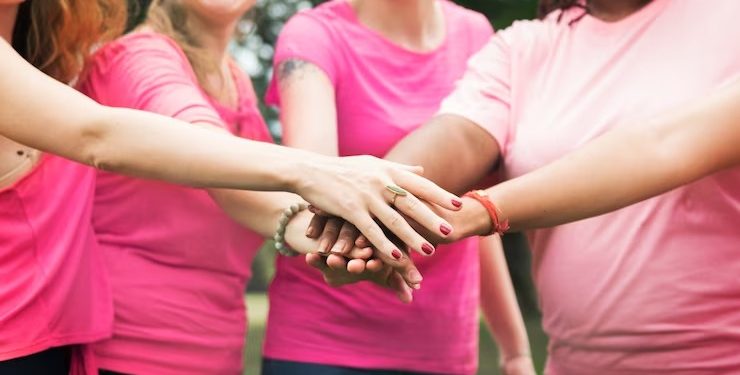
(320, 21)
(467, 25)
(138, 44)
(466, 18)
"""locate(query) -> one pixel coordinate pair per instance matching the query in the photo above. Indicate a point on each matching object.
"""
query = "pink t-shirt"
(53, 288)
(652, 288)
(383, 92)
(178, 264)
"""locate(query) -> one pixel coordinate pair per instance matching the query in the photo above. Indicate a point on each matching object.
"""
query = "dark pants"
(53, 361)
(276, 367)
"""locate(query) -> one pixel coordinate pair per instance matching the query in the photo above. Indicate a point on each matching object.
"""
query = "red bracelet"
(482, 197)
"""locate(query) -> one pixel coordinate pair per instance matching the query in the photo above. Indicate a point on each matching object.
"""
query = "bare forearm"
(498, 301)
(454, 152)
(628, 165)
(258, 211)
(198, 156)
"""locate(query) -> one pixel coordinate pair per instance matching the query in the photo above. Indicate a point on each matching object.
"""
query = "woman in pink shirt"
(651, 288)
(352, 78)
(177, 262)
(54, 295)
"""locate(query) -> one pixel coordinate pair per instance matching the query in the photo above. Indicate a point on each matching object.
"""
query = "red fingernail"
(427, 249)
(396, 254)
(445, 229)
(457, 203)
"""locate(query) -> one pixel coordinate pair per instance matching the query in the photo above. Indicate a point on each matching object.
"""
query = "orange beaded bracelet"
(482, 197)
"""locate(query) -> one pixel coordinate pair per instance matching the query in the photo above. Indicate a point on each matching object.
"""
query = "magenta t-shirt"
(652, 288)
(178, 264)
(383, 92)
(53, 288)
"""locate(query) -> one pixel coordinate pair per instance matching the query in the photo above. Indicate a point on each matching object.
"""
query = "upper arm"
(308, 109)
(704, 136)
(483, 95)
(43, 113)
(303, 85)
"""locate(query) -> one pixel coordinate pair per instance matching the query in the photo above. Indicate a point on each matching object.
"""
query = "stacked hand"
(339, 242)
(362, 189)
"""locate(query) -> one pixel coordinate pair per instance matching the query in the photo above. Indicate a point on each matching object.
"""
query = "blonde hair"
(58, 36)
(171, 19)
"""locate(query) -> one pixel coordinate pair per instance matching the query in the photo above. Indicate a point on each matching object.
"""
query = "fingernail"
(427, 249)
(323, 247)
(309, 232)
(338, 247)
(457, 203)
(415, 278)
(445, 229)
(396, 254)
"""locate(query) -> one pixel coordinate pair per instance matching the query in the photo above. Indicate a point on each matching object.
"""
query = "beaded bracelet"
(280, 245)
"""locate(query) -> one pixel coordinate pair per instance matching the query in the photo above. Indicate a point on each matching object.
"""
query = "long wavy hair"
(171, 18)
(58, 36)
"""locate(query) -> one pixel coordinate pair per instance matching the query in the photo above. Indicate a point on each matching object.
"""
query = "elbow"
(94, 141)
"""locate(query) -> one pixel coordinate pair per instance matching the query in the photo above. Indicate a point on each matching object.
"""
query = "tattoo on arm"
(293, 69)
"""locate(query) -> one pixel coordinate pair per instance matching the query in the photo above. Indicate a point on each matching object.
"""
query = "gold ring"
(397, 192)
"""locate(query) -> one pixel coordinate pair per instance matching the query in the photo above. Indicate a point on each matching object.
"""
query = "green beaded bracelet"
(280, 246)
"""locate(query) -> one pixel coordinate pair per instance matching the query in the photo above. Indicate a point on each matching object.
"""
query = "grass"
(488, 353)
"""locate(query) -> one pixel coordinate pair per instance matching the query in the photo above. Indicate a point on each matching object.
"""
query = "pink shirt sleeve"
(308, 38)
(483, 94)
(149, 72)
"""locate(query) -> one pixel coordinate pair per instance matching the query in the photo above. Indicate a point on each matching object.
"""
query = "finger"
(377, 238)
(317, 211)
(403, 291)
(336, 262)
(419, 212)
(362, 241)
(374, 265)
(404, 266)
(316, 226)
(358, 253)
(356, 266)
(401, 228)
(416, 169)
(427, 190)
(329, 236)
(346, 239)
(316, 261)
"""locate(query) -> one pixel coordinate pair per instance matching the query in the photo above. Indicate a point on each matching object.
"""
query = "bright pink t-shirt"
(53, 288)
(652, 288)
(383, 92)
(178, 264)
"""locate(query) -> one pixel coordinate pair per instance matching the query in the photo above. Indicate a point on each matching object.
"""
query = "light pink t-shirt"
(178, 264)
(53, 288)
(383, 92)
(652, 288)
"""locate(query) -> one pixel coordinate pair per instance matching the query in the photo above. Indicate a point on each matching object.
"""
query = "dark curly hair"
(547, 6)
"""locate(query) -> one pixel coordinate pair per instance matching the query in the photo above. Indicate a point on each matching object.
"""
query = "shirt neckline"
(647, 11)
(352, 17)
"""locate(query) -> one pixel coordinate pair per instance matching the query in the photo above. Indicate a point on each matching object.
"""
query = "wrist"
(472, 219)
(495, 222)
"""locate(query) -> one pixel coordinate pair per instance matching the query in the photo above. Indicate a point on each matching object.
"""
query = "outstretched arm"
(622, 167)
(45, 114)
